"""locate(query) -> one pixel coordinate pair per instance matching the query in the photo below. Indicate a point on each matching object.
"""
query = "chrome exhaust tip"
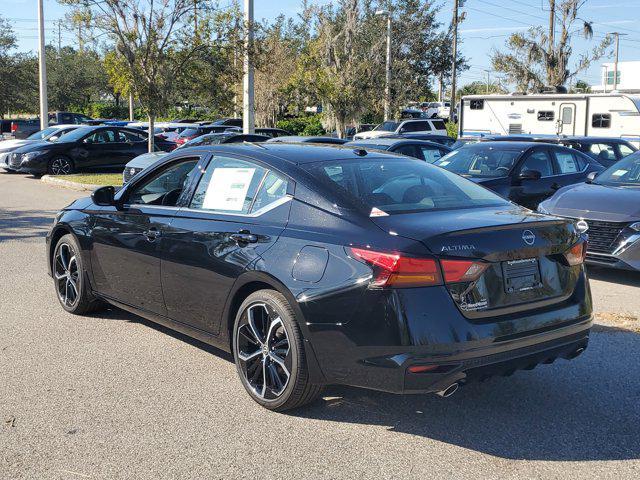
(450, 390)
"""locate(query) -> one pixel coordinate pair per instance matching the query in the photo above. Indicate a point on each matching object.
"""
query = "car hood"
(145, 160)
(10, 145)
(596, 202)
(36, 145)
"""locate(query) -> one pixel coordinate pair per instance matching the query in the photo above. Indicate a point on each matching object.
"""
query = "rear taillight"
(14, 127)
(396, 270)
(577, 253)
(455, 271)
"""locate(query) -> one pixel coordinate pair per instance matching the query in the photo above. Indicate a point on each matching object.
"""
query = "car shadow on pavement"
(624, 277)
(586, 409)
(24, 224)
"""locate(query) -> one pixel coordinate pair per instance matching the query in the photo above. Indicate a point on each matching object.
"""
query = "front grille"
(603, 236)
(14, 160)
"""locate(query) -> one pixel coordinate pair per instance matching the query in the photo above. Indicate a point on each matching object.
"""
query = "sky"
(487, 25)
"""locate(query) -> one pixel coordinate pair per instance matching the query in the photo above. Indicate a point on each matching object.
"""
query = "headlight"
(25, 157)
(635, 226)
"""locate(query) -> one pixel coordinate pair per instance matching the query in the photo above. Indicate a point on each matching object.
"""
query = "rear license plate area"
(521, 275)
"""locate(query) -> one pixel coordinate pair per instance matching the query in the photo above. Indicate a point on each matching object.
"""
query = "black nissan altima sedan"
(87, 148)
(321, 265)
(524, 172)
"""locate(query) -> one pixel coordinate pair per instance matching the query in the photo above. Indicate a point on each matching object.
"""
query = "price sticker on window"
(228, 189)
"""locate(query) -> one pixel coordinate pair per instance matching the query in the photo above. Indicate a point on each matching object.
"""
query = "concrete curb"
(59, 182)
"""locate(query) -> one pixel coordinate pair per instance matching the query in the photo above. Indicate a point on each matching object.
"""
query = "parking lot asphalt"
(114, 396)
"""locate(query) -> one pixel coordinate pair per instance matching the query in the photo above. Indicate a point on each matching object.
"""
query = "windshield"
(188, 132)
(43, 133)
(480, 161)
(393, 185)
(76, 134)
(387, 126)
(626, 172)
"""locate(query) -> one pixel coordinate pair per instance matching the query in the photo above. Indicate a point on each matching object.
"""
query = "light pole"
(42, 67)
(488, 72)
(454, 59)
(387, 85)
(248, 120)
(615, 63)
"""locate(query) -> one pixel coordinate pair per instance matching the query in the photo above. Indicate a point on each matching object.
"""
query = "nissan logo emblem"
(528, 237)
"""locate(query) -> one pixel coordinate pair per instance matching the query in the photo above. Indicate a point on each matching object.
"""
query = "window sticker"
(376, 212)
(228, 189)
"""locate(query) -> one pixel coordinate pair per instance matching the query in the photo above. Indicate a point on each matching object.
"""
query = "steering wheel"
(170, 198)
(506, 169)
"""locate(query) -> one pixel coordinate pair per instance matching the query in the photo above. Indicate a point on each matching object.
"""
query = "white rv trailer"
(603, 115)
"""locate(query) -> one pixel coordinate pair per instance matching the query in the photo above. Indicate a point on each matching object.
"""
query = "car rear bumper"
(425, 328)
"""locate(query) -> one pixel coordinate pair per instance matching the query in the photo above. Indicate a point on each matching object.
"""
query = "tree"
(480, 88)
(18, 74)
(145, 33)
(534, 60)
(582, 87)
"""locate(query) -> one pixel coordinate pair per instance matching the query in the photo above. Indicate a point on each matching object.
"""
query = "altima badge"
(528, 237)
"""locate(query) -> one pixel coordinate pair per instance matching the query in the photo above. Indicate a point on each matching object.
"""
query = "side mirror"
(530, 175)
(104, 196)
(591, 177)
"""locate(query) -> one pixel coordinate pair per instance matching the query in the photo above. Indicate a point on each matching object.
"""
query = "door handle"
(244, 237)
(151, 234)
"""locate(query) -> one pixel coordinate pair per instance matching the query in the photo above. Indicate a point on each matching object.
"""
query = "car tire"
(70, 278)
(60, 165)
(268, 350)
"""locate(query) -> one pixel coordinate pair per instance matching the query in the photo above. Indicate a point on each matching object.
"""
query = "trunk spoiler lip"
(509, 226)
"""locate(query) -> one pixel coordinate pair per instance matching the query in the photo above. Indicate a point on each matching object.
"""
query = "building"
(628, 78)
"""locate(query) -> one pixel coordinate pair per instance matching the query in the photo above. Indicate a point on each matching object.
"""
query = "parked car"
(25, 128)
(604, 150)
(318, 265)
(145, 160)
(363, 127)
(430, 152)
(431, 126)
(50, 134)
(610, 205)
(229, 122)
(85, 148)
(524, 172)
(193, 132)
(438, 110)
(272, 132)
(310, 139)
(445, 140)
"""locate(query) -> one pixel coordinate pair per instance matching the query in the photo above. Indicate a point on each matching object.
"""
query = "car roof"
(292, 153)
(521, 145)
(392, 142)
(303, 139)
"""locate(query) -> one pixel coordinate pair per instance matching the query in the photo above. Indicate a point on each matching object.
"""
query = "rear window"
(392, 186)
(439, 124)
(480, 161)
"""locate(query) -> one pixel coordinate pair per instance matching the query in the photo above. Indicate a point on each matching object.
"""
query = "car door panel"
(201, 261)
(125, 254)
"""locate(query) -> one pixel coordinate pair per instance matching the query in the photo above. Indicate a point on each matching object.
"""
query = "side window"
(601, 120)
(603, 151)
(624, 150)
(431, 154)
(165, 187)
(101, 136)
(126, 136)
(415, 127)
(567, 162)
(539, 161)
(273, 188)
(408, 150)
(546, 116)
(476, 104)
(567, 115)
(229, 185)
(438, 124)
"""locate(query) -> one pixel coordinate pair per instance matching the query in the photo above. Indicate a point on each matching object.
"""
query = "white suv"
(424, 126)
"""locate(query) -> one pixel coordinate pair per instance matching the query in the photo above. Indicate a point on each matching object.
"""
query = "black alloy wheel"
(269, 353)
(69, 278)
(61, 166)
